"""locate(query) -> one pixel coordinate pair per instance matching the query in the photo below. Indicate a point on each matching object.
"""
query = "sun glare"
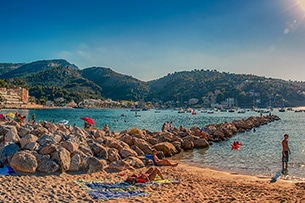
(301, 4)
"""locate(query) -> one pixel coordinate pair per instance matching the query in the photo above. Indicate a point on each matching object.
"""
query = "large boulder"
(47, 166)
(23, 131)
(93, 165)
(187, 144)
(40, 131)
(167, 148)
(127, 151)
(113, 155)
(69, 145)
(99, 150)
(201, 143)
(24, 161)
(127, 139)
(62, 157)
(76, 162)
(119, 165)
(27, 139)
(143, 145)
(11, 135)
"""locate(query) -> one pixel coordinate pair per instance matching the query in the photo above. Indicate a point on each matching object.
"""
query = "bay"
(260, 153)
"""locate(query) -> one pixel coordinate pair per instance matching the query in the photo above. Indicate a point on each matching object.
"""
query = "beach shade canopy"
(88, 120)
(10, 114)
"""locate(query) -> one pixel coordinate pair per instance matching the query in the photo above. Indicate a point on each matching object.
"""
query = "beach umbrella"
(1, 115)
(88, 120)
(10, 114)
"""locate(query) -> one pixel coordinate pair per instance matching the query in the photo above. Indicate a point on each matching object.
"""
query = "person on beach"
(161, 162)
(33, 118)
(285, 153)
(149, 175)
(106, 129)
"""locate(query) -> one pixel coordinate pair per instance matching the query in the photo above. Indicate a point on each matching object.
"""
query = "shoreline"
(197, 184)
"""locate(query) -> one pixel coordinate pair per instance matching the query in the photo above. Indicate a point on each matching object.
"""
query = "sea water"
(260, 153)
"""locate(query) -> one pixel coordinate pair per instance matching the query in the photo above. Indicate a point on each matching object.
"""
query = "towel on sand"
(104, 190)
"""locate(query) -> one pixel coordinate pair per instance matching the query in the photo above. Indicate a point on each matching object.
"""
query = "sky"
(149, 39)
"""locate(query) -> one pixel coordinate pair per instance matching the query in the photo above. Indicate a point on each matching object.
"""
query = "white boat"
(64, 122)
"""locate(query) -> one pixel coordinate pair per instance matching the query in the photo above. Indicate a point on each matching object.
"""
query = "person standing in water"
(285, 153)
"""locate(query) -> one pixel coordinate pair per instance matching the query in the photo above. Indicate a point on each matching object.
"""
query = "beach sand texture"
(196, 185)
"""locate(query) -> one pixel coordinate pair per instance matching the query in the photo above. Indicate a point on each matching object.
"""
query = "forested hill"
(211, 86)
(58, 78)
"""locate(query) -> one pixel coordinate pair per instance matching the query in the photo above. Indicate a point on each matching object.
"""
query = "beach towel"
(105, 190)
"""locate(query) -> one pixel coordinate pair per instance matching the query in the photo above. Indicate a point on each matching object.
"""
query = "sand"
(196, 185)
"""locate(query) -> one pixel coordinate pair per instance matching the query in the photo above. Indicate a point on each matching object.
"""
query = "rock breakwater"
(47, 147)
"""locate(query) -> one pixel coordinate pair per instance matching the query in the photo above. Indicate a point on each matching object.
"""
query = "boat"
(64, 122)
(231, 110)
(136, 114)
(194, 112)
(298, 111)
(282, 110)
(181, 110)
(241, 111)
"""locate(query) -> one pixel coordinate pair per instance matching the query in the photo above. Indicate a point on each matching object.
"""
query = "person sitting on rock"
(161, 162)
(149, 175)
(106, 129)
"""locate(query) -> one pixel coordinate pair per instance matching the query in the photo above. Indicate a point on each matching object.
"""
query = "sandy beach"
(196, 185)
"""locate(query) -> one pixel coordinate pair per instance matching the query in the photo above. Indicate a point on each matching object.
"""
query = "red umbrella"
(88, 120)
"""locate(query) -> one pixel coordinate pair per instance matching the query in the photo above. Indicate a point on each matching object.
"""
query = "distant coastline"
(30, 106)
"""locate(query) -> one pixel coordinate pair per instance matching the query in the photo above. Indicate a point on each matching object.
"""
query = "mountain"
(8, 67)
(117, 86)
(54, 78)
(37, 66)
(210, 87)
(49, 79)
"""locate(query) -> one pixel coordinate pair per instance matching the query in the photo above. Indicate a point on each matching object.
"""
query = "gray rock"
(24, 161)
(143, 145)
(76, 161)
(70, 146)
(62, 157)
(27, 139)
(126, 152)
(93, 165)
(167, 148)
(11, 135)
(47, 166)
(31, 146)
(113, 155)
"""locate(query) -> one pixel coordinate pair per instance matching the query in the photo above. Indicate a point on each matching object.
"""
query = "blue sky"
(150, 38)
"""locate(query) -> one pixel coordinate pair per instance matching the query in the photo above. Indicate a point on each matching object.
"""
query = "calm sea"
(260, 153)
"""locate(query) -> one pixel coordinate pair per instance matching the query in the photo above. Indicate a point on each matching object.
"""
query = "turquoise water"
(259, 155)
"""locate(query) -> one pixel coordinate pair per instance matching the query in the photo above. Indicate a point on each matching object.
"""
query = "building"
(16, 95)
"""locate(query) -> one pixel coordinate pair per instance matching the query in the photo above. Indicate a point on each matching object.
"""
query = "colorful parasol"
(88, 120)
(10, 114)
